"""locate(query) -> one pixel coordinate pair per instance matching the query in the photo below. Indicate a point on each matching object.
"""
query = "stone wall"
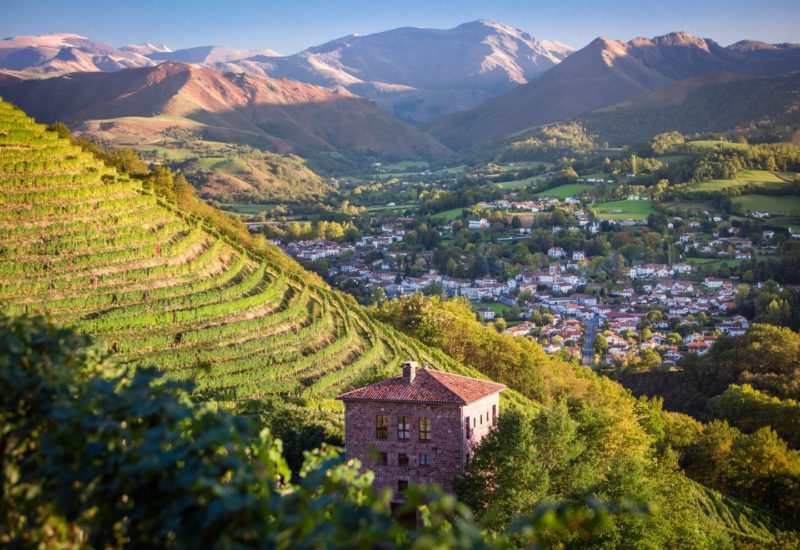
(447, 447)
(444, 447)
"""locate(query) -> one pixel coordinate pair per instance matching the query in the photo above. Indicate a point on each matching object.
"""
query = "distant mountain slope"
(60, 53)
(146, 48)
(604, 73)
(416, 74)
(711, 103)
(420, 73)
(209, 55)
(137, 106)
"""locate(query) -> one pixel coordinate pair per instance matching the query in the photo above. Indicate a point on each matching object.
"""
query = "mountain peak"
(672, 39)
(146, 48)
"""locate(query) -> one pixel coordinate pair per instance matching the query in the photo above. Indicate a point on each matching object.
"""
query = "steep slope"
(63, 53)
(417, 73)
(719, 102)
(97, 252)
(139, 105)
(600, 74)
(604, 73)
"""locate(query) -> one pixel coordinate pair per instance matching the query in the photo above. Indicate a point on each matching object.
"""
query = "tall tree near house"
(502, 478)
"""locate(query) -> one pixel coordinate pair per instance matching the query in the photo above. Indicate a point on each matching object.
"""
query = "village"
(651, 314)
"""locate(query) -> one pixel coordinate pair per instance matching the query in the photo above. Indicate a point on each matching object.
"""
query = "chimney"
(409, 371)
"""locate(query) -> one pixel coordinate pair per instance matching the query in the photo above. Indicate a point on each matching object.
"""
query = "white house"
(487, 314)
(711, 282)
(482, 223)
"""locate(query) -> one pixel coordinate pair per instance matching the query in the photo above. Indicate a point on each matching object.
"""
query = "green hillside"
(97, 252)
(717, 102)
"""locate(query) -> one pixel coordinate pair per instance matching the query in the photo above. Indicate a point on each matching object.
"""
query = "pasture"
(566, 190)
(783, 210)
(746, 177)
(624, 210)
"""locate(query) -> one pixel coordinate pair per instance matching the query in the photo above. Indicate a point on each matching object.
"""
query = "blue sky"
(292, 25)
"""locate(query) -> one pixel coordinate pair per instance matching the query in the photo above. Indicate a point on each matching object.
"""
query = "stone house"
(421, 427)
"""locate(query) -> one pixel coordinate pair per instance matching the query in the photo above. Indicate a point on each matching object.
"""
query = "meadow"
(522, 183)
(624, 210)
(566, 190)
(246, 209)
(450, 215)
(783, 210)
(746, 177)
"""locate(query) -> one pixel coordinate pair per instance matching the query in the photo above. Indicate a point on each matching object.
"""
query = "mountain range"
(420, 74)
(478, 83)
(137, 107)
(604, 73)
(716, 102)
(416, 74)
(66, 53)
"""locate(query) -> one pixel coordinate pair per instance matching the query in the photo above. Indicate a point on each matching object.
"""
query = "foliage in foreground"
(95, 456)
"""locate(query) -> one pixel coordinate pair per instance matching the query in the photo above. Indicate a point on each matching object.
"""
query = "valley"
(208, 254)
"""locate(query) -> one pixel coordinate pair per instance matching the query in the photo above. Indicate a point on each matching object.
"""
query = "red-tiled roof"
(429, 386)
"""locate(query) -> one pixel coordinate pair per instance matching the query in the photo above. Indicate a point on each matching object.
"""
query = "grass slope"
(746, 177)
(94, 251)
(566, 190)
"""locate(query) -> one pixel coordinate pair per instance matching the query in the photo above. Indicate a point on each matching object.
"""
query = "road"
(587, 355)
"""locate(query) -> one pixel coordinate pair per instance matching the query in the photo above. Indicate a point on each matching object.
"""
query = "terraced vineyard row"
(94, 250)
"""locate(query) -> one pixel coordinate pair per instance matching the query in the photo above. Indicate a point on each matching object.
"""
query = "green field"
(669, 159)
(498, 308)
(450, 170)
(716, 144)
(566, 190)
(171, 154)
(246, 209)
(521, 184)
(404, 166)
(783, 209)
(624, 210)
(713, 263)
(387, 208)
(219, 163)
(746, 177)
(523, 164)
(450, 215)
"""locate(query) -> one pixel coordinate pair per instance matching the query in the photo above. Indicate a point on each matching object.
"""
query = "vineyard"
(94, 250)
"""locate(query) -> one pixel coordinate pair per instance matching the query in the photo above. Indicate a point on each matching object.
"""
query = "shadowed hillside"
(712, 103)
(137, 106)
(605, 73)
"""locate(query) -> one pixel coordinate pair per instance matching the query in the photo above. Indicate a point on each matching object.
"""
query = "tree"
(502, 479)
(600, 345)
(435, 288)
(558, 445)
(151, 468)
(749, 410)
(377, 296)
